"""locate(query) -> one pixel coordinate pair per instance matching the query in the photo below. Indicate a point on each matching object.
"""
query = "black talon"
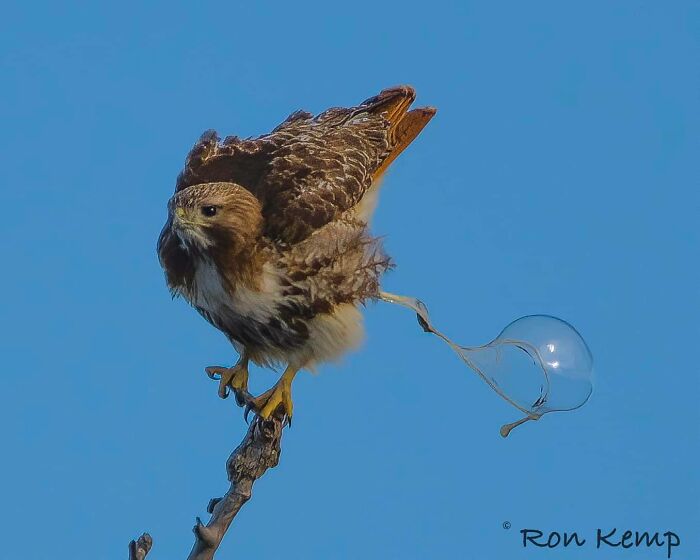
(223, 393)
(246, 412)
(212, 374)
(241, 399)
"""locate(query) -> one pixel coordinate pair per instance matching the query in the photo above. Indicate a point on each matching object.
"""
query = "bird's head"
(215, 216)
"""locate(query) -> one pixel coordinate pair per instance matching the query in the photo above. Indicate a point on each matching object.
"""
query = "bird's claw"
(242, 397)
(214, 372)
(248, 409)
(274, 401)
(234, 378)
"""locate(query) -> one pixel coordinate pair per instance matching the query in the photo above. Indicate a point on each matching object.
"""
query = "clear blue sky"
(559, 176)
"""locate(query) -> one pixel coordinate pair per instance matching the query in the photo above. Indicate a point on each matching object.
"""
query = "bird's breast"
(249, 316)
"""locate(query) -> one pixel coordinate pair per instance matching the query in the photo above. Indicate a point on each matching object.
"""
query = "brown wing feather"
(329, 162)
(233, 160)
(321, 170)
(310, 170)
(403, 133)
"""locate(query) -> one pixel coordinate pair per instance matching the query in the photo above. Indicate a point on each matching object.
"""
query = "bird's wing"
(327, 163)
(309, 170)
(233, 160)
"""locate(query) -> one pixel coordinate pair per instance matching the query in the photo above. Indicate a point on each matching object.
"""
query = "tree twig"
(139, 548)
(259, 451)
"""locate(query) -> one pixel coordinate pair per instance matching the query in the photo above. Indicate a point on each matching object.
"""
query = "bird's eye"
(208, 211)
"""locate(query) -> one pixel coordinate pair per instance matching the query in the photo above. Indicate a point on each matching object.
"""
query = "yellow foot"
(279, 398)
(235, 378)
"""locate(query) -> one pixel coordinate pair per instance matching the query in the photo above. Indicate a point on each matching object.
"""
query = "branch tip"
(258, 452)
(139, 548)
(212, 504)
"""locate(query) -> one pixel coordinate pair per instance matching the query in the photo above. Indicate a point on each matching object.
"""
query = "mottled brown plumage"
(267, 238)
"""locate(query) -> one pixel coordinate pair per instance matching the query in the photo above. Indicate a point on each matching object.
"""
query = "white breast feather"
(210, 294)
(330, 335)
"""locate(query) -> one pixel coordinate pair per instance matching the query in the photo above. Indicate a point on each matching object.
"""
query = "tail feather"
(404, 132)
(393, 102)
(404, 125)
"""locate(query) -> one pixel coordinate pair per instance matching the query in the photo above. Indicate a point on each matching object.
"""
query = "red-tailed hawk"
(268, 239)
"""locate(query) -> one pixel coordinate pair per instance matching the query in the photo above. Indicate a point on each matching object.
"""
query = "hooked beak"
(188, 229)
(180, 219)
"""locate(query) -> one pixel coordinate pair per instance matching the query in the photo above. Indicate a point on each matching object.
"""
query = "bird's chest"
(249, 316)
(211, 292)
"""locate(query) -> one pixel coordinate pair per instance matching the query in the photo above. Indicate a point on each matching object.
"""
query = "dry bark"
(259, 451)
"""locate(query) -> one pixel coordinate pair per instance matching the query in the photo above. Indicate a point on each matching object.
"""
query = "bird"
(268, 238)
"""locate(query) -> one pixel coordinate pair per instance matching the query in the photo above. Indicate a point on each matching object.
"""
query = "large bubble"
(538, 363)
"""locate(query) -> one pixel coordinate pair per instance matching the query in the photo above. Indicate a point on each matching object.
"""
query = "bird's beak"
(180, 218)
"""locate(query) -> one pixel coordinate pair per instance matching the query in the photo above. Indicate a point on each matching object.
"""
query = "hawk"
(267, 238)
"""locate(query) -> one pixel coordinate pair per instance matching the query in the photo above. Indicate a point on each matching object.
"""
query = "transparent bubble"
(538, 363)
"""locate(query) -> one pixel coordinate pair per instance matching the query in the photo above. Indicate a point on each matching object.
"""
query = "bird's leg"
(235, 377)
(279, 396)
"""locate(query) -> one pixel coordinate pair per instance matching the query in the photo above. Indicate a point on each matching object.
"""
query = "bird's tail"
(404, 125)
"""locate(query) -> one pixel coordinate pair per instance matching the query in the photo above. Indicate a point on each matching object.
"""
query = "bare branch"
(259, 451)
(139, 548)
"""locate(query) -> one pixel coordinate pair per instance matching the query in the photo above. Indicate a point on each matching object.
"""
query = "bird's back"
(311, 169)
